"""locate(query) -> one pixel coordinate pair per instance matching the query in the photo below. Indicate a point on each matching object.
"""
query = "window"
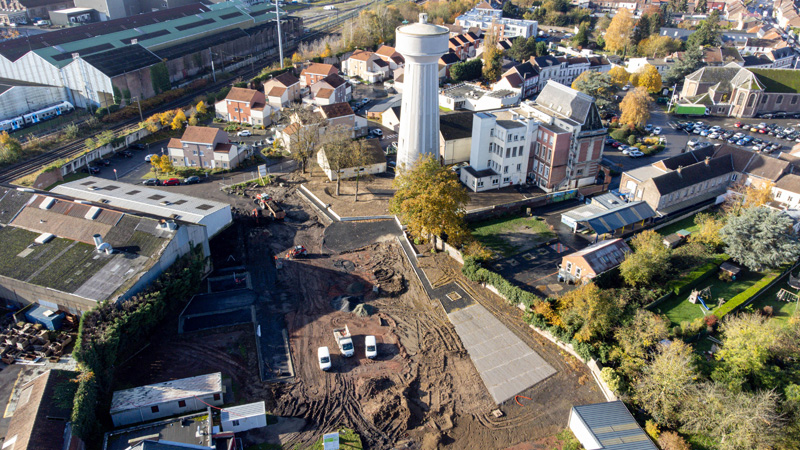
(181, 403)
(235, 423)
(763, 99)
(780, 100)
(480, 184)
(508, 153)
(201, 153)
(495, 181)
(577, 271)
(569, 267)
(216, 396)
(778, 195)
(489, 163)
(734, 177)
(154, 409)
(519, 167)
(505, 180)
(794, 100)
(194, 152)
(789, 198)
(505, 169)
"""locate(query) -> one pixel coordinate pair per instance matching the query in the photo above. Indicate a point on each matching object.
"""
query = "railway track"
(77, 147)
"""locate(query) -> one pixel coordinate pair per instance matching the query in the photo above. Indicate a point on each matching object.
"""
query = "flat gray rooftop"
(506, 364)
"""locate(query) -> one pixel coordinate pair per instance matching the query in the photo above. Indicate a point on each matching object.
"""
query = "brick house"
(391, 56)
(282, 90)
(333, 115)
(244, 106)
(316, 72)
(205, 147)
(582, 266)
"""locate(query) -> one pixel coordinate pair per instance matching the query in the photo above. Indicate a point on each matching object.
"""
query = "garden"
(635, 137)
(509, 236)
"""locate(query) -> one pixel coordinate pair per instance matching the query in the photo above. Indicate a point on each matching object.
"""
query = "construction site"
(425, 388)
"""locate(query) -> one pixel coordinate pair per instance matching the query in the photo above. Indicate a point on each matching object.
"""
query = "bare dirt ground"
(422, 389)
(374, 194)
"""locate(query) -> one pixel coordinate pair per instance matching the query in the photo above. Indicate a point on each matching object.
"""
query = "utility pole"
(280, 39)
(213, 73)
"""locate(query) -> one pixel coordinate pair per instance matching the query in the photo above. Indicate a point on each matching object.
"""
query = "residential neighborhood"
(390, 224)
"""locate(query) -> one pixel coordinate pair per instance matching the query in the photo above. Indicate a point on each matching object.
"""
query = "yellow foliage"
(618, 35)
(201, 107)
(178, 120)
(619, 76)
(649, 78)
(635, 107)
(296, 58)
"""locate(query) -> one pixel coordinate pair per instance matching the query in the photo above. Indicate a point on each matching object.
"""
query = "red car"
(738, 124)
(171, 182)
(615, 144)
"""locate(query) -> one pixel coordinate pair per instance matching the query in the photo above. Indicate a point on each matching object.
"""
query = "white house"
(170, 398)
(500, 150)
(662, 65)
(375, 162)
(472, 97)
(608, 426)
(244, 417)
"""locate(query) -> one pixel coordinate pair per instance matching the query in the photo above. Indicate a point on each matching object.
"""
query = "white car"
(626, 87)
(149, 157)
(364, 101)
(715, 128)
(376, 131)
(370, 347)
(628, 150)
(244, 133)
(269, 141)
(635, 153)
(657, 131)
(693, 142)
(324, 357)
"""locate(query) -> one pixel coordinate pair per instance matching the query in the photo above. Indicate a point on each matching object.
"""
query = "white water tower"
(421, 44)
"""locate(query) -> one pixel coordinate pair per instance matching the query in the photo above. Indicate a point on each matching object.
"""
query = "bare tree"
(338, 148)
(306, 140)
(360, 158)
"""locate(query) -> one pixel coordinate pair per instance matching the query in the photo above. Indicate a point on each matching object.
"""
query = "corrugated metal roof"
(244, 411)
(614, 219)
(613, 426)
(141, 198)
(154, 394)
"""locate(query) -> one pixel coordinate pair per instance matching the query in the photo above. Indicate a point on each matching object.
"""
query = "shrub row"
(515, 295)
(681, 285)
(110, 332)
(747, 294)
(132, 110)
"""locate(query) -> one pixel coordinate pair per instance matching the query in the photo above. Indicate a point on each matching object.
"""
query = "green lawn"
(684, 224)
(348, 440)
(780, 310)
(678, 309)
(509, 236)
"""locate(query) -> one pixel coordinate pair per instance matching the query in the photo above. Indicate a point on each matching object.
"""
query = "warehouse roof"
(621, 216)
(244, 411)
(612, 427)
(139, 198)
(154, 394)
(124, 59)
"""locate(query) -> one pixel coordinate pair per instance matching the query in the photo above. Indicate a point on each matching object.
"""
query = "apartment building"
(499, 152)
(568, 145)
(508, 28)
(523, 77)
(465, 46)
(207, 148)
(565, 70)
(282, 90)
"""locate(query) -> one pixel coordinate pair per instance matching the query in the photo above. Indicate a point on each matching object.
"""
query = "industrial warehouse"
(143, 55)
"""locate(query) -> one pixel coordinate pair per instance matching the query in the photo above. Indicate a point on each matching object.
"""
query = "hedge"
(515, 295)
(110, 332)
(746, 295)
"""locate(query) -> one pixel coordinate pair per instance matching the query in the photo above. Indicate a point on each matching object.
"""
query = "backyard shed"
(170, 398)
(731, 269)
(672, 240)
(608, 426)
(244, 417)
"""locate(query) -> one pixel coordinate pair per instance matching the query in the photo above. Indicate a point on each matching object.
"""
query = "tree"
(339, 151)
(650, 79)
(178, 120)
(691, 61)
(668, 382)
(589, 310)
(511, 11)
(603, 23)
(166, 117)
(649, 259)
(153, 123)
(702, 6)
(618, 35)
(618, 76)
(541, 49)
(708, 233)
(735, 419)
(492, 57)
(466, 71)
(596, 84)
(707, 34)
(10, 148)
(296, 58)
(581, 38)
(306, 139)
(165, 163)
(193, 120)
(201, 107)
(643, 332)
(670, 440)
(522, 49)
(658, 46)
(757, 195)
(327, 52)
(748, 341)
(635, 107)
(430, 200)
(760, 238)
(642, 30)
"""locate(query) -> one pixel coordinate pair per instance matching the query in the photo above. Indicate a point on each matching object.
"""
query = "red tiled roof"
(241, 95)
(336, 110)
(175, 143)
(200, 135)
(320, 69)
(361, 55)
(325, 93)
(276, 91)
(286, 79)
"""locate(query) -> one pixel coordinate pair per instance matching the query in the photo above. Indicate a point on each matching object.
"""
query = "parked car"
(137, 146)
(370, 347)
(191, 180)
(635, 153)
(627, 150)
(244, 133)
(148, 157)
(364, 101)
(152, 182)
(738, 125)
(648, 127)
(91, 170)
(715, 128)
(126, 153)
(324, 357)
(693, 142)
(657, 131)
(172, 182)
(104, 162)
(376, 131)
(615, 144)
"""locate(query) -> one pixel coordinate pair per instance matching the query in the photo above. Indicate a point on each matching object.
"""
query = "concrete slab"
(506, 364)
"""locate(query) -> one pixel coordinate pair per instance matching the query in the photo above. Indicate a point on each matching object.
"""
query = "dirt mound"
(383, 403)
(345, 303)
(363, 310)
(391, 283)
(347, 266)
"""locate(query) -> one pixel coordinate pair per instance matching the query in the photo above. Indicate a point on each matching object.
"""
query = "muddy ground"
(422, 391)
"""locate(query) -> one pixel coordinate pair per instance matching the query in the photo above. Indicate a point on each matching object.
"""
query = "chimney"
(708, 159)
(98, 241)
(679, 169)
(102, 246)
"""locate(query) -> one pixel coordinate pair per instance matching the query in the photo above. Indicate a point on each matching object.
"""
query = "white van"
(324, 357)
(370, 347)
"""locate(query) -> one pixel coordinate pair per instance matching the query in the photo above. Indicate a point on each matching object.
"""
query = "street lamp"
(139, 104)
